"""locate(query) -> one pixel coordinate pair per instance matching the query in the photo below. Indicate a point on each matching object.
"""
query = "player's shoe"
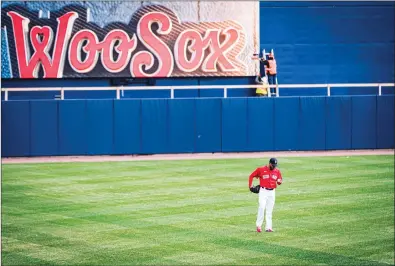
(269, 230)
(259, 229)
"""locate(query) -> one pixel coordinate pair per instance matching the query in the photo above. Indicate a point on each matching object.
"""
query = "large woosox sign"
(154, 44)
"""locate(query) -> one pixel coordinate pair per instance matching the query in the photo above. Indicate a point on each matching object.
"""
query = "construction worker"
(270, 69)
(261, 90)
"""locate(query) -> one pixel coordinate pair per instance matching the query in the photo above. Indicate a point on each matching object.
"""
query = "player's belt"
(267, 188)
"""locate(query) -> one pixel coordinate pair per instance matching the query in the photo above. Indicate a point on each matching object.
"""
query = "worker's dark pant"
(272, 81)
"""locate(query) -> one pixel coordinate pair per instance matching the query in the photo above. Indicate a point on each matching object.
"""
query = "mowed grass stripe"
(326, 198)
(330, 210)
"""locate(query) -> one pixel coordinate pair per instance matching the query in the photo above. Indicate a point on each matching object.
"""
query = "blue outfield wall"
(145, 126)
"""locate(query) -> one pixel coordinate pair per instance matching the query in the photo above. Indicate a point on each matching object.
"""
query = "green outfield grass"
(329, 210)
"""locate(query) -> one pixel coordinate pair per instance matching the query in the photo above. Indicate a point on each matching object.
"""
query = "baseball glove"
(255, 189)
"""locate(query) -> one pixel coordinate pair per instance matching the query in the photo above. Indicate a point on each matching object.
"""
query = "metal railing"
(193, 87)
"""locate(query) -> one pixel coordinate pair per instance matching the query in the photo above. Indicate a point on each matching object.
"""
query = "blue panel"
(217, 93)
(33, 95)
(354, 91)
(303, 92)
(44, 128)
(286, 123)
(127, 130)
(388, 90)
(69, 94)
(241, 92)
(48, 83)
(234, 125)
(72, 127)
(147, 94)
(353, 67)
(364, 120)
(385, 122)
(338, 123)
(90, 94)
(226, 81)
(312, 123)
(260, 118)
(330, 42)
(180, 82)
(181, 123)
(99, 122)
(15, 128)
(208, 125)
(154, 126)
(186, 93)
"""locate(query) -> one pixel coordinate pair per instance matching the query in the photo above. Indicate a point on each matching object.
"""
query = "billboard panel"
(129, 39)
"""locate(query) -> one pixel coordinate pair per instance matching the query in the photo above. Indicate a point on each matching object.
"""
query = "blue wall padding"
(286, 124)
(72, 127)
(44, 128)
(208, 117)
(99, 126)
(260, 120)
(234, 124)
(385, 122)
(312, 123)
(15, 128)
(364, 122)
(127, 127)
(181, 126)
(338, 123)
(154, 126)
(79, 127)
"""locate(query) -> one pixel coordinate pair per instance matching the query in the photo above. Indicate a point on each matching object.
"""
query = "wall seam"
(113, 127)
(30, 129)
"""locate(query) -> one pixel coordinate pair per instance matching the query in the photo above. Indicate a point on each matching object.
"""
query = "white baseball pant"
(266, 202)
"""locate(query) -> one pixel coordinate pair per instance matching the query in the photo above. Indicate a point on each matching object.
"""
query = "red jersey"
(267, 178)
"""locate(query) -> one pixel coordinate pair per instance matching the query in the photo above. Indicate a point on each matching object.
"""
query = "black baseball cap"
(273, 161)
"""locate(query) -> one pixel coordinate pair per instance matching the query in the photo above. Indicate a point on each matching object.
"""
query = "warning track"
(193, 156)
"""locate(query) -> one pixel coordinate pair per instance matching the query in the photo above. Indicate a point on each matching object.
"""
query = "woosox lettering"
(154, 44)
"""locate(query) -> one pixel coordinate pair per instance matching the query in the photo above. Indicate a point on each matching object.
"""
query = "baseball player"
(269, 177)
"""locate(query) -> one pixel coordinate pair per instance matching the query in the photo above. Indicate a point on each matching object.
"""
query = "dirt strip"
(194, 156)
